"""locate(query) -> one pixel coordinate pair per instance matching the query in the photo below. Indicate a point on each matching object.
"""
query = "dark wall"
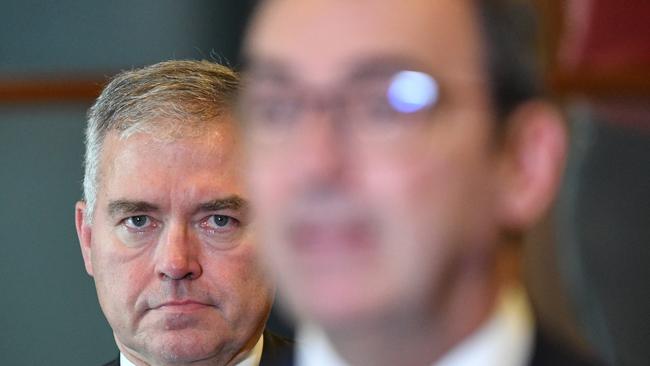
(79, 36)
(604, 231)
(49, 313)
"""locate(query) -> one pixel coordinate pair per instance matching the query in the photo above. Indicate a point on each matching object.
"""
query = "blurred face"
(369, 198)
(170, 248)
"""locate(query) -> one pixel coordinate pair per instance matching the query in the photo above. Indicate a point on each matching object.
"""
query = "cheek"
(413, 198)
(437, 177)
(272, 192)
(267, 181)
(429, 200)
(120, 280)
(245, 283)
(409, 185)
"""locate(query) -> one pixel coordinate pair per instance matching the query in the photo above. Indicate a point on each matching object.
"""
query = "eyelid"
(238, 213)
(231, 230)
(150, 223)
(208, 218)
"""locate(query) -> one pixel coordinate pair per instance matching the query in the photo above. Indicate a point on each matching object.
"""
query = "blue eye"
(137, 221)
(412, 91)
(221, 220)
(220, 223)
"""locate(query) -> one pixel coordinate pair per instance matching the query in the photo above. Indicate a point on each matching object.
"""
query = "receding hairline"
(191, 88)
(168, 100)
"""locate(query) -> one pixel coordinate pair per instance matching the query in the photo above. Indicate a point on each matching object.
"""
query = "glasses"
(377, 108)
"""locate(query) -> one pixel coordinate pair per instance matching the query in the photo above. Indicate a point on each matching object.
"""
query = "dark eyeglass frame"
(273, 110)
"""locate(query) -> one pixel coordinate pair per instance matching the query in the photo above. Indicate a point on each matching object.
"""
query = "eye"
(276, 112)
(139, 222)
(379, 109)
(221, 231)
(271, 106)
(220, 223)
(221, 220)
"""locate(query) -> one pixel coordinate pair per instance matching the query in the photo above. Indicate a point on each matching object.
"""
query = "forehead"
(151, 167)
(322, 40)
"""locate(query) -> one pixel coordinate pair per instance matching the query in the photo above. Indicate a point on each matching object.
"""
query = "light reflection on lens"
(412, 91)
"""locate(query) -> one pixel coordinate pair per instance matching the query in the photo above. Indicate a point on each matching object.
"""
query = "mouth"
(316, 235)
(325, 243)
(181, 306)
(329, 232)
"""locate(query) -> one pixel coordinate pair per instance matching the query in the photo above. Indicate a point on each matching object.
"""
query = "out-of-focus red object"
(606, 35)
(602, 48)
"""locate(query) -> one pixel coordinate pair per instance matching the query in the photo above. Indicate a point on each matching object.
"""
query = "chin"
(183, 346)
(343, 309)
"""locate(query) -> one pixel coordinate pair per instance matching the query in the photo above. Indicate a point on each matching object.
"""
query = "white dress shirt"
(504, 339)
(252, 359)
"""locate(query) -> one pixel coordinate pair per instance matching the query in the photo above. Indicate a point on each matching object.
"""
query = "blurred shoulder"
(549, 351)
(277, 351)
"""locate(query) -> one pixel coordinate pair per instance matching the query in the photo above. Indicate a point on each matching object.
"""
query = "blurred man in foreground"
(398, 153)
(164, 224)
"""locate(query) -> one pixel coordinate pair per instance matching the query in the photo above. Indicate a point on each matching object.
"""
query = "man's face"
(360, 226)
(170, 249)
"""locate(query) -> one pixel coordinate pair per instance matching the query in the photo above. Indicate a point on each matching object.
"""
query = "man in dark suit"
(399, 151)
(277, 351)
(164, 226)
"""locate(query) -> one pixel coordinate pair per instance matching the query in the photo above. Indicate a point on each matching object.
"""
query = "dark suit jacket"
(277, 351)
(549, 352)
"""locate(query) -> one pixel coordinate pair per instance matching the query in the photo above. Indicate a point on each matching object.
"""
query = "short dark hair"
(510, 32)
(509, 29)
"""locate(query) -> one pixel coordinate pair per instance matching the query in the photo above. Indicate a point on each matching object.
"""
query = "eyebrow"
(126, 207)
(233, 202)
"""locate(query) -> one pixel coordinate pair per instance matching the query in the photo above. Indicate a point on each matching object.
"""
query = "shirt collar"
(504, 339)
(252, 358)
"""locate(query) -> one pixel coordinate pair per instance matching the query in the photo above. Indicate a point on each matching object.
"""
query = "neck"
(422, 336)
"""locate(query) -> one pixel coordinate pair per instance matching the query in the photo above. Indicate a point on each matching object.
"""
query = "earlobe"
(84, 233)
(533, 163)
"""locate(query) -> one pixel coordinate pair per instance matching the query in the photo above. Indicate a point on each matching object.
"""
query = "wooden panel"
(58, 89)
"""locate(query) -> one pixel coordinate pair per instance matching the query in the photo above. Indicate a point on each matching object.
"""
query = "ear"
(534, 154)
(84, 232)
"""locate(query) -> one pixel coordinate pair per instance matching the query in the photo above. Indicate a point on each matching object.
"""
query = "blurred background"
(588, 267)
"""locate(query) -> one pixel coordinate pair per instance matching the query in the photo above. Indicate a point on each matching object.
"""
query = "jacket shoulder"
(550, 352)
(277, 351)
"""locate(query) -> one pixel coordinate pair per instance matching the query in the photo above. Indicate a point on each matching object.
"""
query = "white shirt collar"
(252, 359)
(505, 339)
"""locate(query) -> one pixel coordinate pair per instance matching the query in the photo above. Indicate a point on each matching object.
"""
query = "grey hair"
(170, 99)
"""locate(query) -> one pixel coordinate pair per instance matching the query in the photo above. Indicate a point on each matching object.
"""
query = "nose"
(177, 254)
(322, 148)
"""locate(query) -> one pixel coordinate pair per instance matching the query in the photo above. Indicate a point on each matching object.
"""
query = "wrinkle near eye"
(221, 231)
(138, 231)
